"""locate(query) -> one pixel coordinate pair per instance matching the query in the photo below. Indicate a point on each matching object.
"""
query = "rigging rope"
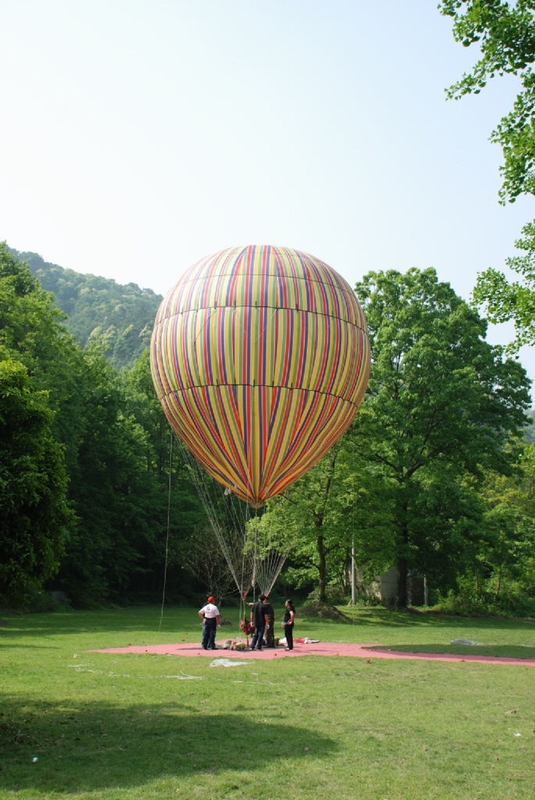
(236, 532)
(166, 559)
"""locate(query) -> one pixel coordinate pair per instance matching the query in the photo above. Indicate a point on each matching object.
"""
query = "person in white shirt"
(209, 613)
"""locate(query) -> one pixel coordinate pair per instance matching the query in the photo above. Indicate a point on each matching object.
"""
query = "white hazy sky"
(140, 135)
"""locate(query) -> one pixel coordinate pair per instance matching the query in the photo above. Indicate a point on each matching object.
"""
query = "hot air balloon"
(260, 358)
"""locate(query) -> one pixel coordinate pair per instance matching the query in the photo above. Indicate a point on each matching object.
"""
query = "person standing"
(269, 616)
(211, 621)
(288, 624)
(258, 618)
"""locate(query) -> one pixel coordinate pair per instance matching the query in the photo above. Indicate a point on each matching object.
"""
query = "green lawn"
(75, 724)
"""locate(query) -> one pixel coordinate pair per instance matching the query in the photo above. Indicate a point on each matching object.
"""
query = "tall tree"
(112, 492)
(504, 32)
(92, 442)
(441, 404)
(33, 480)
(176, 513)
(98, 309)
(312, 523)
(504, 567)
(33, 485)
(512, 301)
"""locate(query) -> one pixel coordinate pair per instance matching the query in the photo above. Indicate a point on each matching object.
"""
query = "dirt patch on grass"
(319, 610)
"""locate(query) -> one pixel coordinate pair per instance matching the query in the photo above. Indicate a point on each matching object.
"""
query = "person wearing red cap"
(209, 614)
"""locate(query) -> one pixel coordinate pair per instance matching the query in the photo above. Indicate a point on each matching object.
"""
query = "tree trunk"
(402, 595)
(402, 564)
(322, 570)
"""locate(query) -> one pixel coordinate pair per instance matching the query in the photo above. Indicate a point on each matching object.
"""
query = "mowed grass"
(76, 724)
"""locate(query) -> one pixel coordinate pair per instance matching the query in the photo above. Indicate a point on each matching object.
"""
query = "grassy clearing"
(105, 726)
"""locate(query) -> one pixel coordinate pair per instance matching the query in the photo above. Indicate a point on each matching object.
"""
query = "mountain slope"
(120, 317)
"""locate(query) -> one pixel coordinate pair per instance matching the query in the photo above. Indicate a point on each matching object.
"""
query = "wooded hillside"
(434, 476)
(99, 310)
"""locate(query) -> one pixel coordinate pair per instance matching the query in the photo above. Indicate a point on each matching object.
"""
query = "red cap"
(211, 599)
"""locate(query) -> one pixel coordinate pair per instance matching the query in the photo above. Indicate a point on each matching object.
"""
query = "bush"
(44, 602)
(313, 608)
(511, 601)
(335, 595)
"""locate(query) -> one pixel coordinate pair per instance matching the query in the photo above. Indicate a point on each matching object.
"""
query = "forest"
(434, 477)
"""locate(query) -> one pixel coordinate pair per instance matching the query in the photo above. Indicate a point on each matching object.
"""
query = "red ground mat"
(305, 649)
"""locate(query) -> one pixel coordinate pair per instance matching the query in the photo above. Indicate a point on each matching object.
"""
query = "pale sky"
(139, 135)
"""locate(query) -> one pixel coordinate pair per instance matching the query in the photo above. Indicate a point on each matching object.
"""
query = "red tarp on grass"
(306, 649)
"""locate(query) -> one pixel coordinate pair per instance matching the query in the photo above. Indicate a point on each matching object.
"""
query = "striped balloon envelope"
(260, 358)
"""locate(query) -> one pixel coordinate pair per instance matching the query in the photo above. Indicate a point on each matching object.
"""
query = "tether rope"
(166, 560)
(239, 537)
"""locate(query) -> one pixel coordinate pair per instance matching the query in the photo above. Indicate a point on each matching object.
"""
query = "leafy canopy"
(504, 32)
(512, 301)
(505, 35)
(441, 405)
(33, 479)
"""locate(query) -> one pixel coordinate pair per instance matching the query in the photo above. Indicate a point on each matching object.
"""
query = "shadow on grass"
(144, 622)
(122, 621)
(490, 651)
(425, 618)
(90, 747)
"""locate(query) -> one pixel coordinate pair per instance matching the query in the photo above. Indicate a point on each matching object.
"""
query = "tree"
(505, 35)
(515, 301)
(98, 309)
(95, 444)
(441, 405)
(504, 574)
(174, 503)
(311, 522)
(202, 556)
(33, 488)
(112, 493)
(33, 481)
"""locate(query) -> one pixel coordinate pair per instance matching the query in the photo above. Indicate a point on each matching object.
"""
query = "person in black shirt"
(269, 615)
(258, 618)
(288, 624)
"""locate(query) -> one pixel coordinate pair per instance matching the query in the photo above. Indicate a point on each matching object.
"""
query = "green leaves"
(33, 487)
(514, 301)
(505, 35)
(441, 405)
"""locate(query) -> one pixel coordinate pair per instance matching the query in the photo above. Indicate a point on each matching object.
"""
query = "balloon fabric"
(260, 358)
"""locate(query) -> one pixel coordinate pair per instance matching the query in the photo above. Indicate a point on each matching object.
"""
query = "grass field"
(75, 724)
